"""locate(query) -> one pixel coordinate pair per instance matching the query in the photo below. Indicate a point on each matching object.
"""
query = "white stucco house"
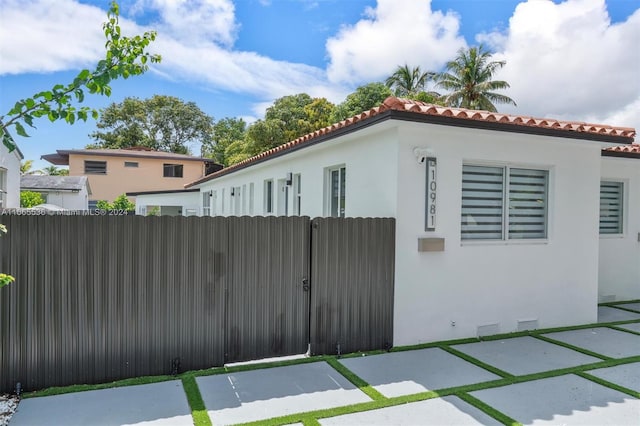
(10, 177)
(68, 192)
(503, 222)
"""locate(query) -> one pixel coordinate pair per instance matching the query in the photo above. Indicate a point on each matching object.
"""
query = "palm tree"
(54, 171)
(409, 82)
(25, 167)
(468, 78)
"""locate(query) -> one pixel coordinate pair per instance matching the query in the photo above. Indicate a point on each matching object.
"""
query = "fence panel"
(267, 306)
(104, 298)
(352, 276)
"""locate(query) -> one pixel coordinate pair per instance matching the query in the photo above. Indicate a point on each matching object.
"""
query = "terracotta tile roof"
(633, 149)
(410, 106)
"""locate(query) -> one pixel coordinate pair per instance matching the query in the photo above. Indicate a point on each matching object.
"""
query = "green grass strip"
(609, 384)
(622, 308)
(613, 327)
(475, 361)
(622, 302)
(498, 415)
(355, 379)
(59, 390)
(198, 410)
(570, 346)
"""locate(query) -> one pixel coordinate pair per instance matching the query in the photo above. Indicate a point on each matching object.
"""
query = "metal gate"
(352, 276)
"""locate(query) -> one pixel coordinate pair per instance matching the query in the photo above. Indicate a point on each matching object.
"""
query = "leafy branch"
(125, 57)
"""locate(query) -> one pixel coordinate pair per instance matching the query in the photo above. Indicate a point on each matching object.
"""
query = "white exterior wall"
(369, 158)
(482, 283)
(619, 263)
(182, 202)
(69, 200)
(10, 163)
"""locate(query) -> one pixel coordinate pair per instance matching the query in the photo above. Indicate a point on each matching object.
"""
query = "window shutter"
(482, 202)
(528, 203)
(611, 204)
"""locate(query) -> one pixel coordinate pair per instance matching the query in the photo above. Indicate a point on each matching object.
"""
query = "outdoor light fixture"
(289, 181)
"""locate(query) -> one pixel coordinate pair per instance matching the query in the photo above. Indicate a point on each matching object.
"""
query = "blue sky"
(573, 59)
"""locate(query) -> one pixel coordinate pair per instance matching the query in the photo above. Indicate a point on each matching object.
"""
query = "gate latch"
(305, 284)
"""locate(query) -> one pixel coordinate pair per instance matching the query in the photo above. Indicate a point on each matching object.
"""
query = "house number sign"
(432, 187)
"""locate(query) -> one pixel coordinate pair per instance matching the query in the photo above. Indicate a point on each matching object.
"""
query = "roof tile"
(407, 105)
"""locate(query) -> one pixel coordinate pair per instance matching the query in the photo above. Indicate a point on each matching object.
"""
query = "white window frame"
(283, 198)
(505, 214)
(214, 203)
(622, 205)
(297, 194)
(251, 193)
(329, 193)
(244, 199)
(206, 203)
(3, 187)
(268, 196)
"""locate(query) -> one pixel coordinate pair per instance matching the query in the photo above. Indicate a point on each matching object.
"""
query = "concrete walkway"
(586, 397)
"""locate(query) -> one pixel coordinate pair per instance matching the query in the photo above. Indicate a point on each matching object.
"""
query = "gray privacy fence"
(104, 298)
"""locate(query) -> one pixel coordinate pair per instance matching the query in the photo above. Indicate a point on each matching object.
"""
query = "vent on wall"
(608, 298)
(488, 329)
(528, 324)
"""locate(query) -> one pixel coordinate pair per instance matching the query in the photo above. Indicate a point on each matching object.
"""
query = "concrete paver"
(157, 404)
(601, 340)
(524, 355)
(262, 394)
(626, 375)
(609, 314)
(449, 410)
(632, 327)
(635, 306)
(563, 400)
(404, 373)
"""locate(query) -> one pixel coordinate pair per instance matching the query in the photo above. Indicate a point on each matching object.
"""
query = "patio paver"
(609, 314)
(404, 373)
(524, 355)
(449, 410)
(635, 306)
(632, 327)
(272, 392)
(563, 400)
(626, 375)
(157, 404)
(601, 340)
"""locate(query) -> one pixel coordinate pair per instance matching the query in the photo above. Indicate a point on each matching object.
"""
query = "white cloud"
(194, 21)
(46, 36)
(391, 34)
(568, 61)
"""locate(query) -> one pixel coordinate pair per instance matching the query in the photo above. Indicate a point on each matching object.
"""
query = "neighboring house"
(113, 172)
(69, 192)
(9, 177)
(180, 202)
(497, 216)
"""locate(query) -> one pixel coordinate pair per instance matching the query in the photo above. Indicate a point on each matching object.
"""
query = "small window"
(173, 170)
(268, 196)
(93, 204)
(206, 203)
(214, 203)
(95, 167)
(3, 188)
(503, 203)
(611, 207)
(131, 164)
(335, 189)
(297, 194)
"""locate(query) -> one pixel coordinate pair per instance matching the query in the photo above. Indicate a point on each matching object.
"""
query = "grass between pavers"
(198, 410)
(572, 347)
(379, 401)
(622, 302)
(498, 415)
(613, 327)
(603, 382)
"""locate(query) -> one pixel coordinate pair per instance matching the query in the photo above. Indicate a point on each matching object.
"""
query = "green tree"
(264, 135)
(26, 167)
(225, 132)
(408, 82)
(468, 78)
(120, 203)
(364, 98)
(55, 171)
(163, 123)
(318, 113)
(125, 57)
(30, 199)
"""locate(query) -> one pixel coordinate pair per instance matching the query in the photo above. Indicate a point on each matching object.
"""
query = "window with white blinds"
(500, 203)
(611, 205)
